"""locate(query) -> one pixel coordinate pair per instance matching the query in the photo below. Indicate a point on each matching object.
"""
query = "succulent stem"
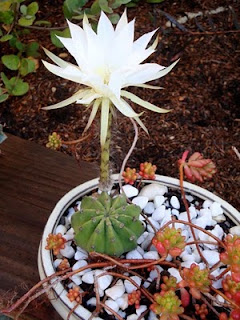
(105, 180)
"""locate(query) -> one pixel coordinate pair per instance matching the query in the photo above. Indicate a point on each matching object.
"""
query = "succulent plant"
(201, 311)
(147, 170)
(169, 283)
(197, 168)
(134, 298)
(130, 175)
(170, 241)
(107, 225)
(231, 256)
(74, 294)
(231, 289)
(168, 305)
(54, 141)
(55, 242)
(196, 279)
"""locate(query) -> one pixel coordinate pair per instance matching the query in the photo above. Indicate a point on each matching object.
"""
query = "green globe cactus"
(107, 225)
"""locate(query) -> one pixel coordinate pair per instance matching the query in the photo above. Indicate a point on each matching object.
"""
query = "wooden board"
(32, 179)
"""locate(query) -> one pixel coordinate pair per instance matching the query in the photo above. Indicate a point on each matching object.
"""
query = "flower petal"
(141, 74)
(164, 71)
(141, 124)
(123, 21)
(124, 107)
(89, 97)
(142, 103)
(70, 72)
(142, 42)
(79, 94)
(93, 113)
(148, 86)
(104, 120)
(60, 62)
(105, 30)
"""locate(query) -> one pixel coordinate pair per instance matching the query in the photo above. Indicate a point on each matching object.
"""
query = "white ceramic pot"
(57, 294)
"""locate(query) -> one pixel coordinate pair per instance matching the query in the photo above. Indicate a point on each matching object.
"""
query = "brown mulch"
(203, 92)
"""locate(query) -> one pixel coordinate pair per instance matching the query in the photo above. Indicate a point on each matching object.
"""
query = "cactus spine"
(107, 225)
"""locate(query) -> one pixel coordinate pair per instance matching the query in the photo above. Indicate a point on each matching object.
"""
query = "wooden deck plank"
(32, 180)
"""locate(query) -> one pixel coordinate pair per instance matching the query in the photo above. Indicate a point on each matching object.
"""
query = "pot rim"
(45, 259)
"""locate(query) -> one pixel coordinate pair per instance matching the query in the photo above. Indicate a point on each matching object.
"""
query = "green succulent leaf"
(5, 5)
(23, 9)
(27, 66)
(104, 6)
(26, 21)
(11, 61)
(43, 23)
(95, 8)
(15, 86)
(6, 37)
(32, 49)
(107, 225)
(114, 18)
(65, 33)
(118, 3)
(6, 17)
(72, 6)
(32, 8)
(3, 97)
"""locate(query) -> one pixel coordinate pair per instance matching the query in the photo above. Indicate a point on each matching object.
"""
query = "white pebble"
(220, 218)
(129, 286)
(151, 255)
(147, 283)
(211, 256)
(79, 264)
(152, 316)
(92, 301)
(80, 255)
(175, 273)
(140, 250)
(78, 203)
(142, 237)
(123, 301)
(134, 254)
(141, 309)
(116, 291)
(149, 208)
(152, 190)
(88, 277)
(103, 281)
(61, 229)
(158, 201)
(122, 314)
(133, 316)
(175, 212)
(235, 230)
(76, 279)
(67, 252)
(216, 209)
(189, 198)
(154, 223)
(154, 274)
(175, 202)
(111, 304)
(147, 241)
(159, 213)
(130, 191)
(140, 201)
(71, 211)
(56, 263)
(207, 203)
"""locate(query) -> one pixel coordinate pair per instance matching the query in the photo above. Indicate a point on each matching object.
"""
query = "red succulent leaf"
(197, 168)
(185, 297)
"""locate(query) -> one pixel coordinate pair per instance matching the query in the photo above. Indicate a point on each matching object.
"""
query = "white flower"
(107, 62)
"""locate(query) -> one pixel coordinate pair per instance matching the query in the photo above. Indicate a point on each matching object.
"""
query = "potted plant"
(148, 249)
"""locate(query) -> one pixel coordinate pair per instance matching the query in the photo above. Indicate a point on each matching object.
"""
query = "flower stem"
(105, 180)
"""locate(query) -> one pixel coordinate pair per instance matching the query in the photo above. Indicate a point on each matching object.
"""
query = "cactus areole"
(107, 225)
